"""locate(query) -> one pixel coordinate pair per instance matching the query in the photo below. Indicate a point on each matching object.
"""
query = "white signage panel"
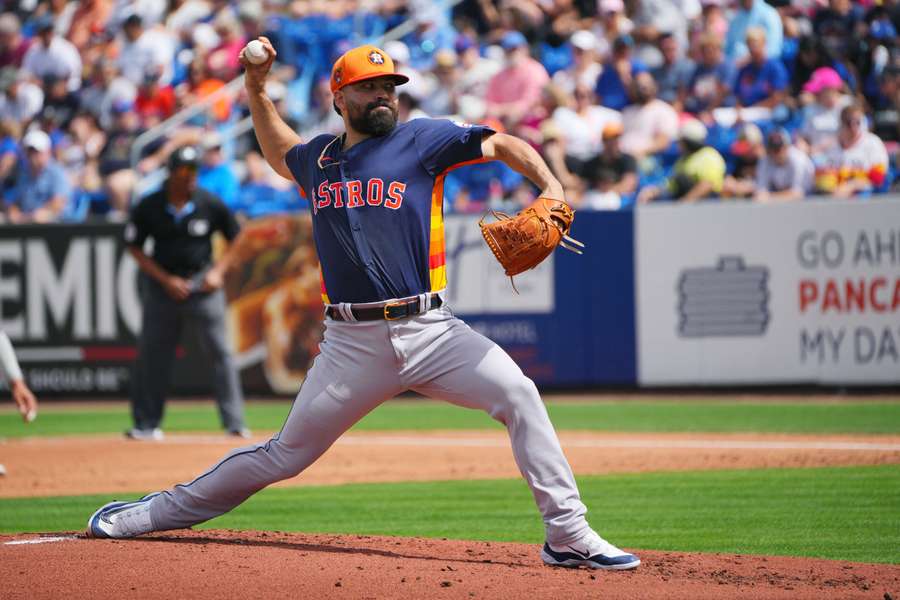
(747, 293)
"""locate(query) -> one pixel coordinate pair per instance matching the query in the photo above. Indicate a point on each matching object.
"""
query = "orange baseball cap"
(612, 129)
(363, 62)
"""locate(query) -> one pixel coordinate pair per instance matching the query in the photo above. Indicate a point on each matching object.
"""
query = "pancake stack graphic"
(730, 299)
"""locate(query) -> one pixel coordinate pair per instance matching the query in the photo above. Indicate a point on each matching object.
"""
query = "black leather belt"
(391, 311)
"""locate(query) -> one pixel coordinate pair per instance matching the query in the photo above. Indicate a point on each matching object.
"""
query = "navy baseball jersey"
(378, 207)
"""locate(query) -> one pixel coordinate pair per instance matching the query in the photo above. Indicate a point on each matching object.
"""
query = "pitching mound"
(242, 564)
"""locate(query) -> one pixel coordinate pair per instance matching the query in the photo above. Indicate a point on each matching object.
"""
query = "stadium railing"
(300, 90)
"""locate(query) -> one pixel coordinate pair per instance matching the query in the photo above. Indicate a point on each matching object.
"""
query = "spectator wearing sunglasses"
(858, 163)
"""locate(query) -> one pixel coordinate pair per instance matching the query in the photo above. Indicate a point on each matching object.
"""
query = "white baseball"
(31, 416)
(256, 53)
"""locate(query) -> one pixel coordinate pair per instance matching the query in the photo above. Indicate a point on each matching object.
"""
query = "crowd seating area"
(629, 101)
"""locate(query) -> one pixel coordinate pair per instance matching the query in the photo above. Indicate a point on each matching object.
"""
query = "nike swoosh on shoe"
(584, 555)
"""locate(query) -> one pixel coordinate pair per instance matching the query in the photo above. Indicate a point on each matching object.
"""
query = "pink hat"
(823, 78)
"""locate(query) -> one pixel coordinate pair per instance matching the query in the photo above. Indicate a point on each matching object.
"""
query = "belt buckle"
(388, 317)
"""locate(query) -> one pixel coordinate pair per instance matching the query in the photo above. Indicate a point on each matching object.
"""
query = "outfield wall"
(714, 294)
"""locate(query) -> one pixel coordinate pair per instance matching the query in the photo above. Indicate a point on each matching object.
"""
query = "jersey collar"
(331, 152)
(179, 214)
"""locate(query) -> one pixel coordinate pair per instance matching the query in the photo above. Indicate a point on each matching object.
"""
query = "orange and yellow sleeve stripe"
(437, 256)
(325, 299)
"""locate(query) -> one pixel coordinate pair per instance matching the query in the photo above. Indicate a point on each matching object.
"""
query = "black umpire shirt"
(181, 239)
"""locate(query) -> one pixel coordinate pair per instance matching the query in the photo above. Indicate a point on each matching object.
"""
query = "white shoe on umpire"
(121, 519)
(154, 434)
(591, 551)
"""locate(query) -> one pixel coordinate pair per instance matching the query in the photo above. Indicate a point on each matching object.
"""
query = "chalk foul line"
(41, 540)
(698, 444)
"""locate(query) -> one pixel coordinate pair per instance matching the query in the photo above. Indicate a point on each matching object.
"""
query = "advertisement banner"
(275, 309)
(804, 292)
(69, 302)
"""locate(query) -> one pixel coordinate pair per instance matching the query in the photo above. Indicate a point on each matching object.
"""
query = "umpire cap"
(185, 156)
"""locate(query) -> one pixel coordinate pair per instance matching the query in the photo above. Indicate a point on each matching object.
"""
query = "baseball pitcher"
(376, 196)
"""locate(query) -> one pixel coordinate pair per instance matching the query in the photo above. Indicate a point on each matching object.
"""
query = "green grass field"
(847, 513)
(859, 416)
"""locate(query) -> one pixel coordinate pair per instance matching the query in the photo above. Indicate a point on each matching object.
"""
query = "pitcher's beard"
(375, 122)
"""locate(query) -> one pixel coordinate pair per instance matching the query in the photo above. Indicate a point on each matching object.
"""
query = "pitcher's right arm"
(274, 135)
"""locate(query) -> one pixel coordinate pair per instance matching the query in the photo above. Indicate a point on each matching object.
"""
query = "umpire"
(180, 285)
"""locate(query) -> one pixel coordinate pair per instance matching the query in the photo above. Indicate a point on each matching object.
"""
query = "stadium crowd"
(630, 101)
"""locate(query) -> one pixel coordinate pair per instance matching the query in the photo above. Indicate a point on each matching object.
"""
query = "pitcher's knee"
(286, 461)
(518, 398)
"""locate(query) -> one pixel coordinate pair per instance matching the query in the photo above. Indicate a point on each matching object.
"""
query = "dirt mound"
(242, 564)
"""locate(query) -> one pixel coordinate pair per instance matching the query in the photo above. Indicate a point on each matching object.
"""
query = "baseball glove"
(522, 242)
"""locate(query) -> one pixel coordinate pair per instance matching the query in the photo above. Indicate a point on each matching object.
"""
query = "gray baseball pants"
(363, 364)
(163, 321)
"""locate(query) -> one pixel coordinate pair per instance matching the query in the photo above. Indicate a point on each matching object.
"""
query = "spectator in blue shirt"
(754, 13)
(9, 151)
(216, 176)
(711, 83)
(42, 189)
(673, 74)
(615, 81)
(762, 81)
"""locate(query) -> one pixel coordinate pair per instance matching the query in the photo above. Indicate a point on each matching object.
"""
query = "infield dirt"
(109, 464)
(231, 564)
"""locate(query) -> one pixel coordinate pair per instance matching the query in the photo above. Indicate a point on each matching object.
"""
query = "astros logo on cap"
(363, 62)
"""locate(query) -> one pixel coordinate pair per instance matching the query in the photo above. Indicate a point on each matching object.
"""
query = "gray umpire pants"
(360, 366)
(163, 322)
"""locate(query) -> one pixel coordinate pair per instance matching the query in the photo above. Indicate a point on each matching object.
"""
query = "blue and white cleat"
(592, 551)
(121, 519)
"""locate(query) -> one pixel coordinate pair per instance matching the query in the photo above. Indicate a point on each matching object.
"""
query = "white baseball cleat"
(145, 435)
(591, 551)
(121, 519)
